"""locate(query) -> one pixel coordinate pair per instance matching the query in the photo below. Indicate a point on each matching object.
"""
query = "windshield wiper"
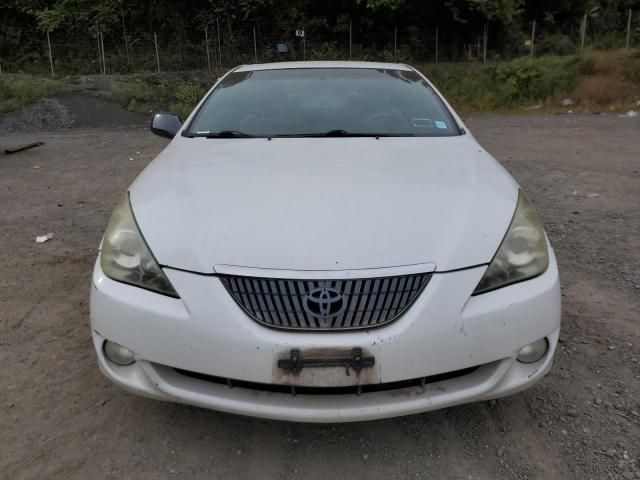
(337, 133)
(221, 134)
(332, 133)
(228, 134)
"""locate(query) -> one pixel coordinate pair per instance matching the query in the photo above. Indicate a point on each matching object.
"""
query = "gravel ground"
(74, 110)
(59, 418)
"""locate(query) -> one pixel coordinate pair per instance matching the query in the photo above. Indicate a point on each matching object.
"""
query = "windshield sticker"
(441, 124)
(422, 122)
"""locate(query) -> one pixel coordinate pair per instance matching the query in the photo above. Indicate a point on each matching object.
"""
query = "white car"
(324, 242)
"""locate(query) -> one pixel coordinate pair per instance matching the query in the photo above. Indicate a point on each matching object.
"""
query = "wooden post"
(104, 60)
(155, 40)
(395, 44)
(255, 46)
(50, 54)
(533, 37)
(124, 30)
(436, 44)
(628, 30)
(350, 38)
(583, 32)
(206, 42)
(484, 43)
(219, 44)
(99, 48)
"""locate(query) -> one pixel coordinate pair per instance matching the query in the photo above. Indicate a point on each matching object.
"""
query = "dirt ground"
(60, 418)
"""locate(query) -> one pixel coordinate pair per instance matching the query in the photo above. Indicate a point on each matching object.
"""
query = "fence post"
(232, 46)
(533, 37)
(628, 30)
(99, 48)
(206, 43)
(437, 44)
(395, 43)
(583, 32)
(351, 38)
(50, 55)
(104, 59)
(155, 40)
(219, 47)
(124, 31)
(255, 46)
(484, 43)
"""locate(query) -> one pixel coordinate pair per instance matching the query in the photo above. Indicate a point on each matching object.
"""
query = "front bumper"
(445, 330)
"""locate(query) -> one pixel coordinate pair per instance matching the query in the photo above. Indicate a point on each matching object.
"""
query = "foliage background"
(128, 29)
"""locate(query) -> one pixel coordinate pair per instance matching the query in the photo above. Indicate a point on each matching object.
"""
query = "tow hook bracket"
(296, 361)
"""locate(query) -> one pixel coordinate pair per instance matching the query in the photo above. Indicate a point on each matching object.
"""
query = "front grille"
(325, 304)
(346, 390)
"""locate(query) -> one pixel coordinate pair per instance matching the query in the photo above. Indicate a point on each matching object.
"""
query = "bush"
(469, 87)
(631, 68)
(189, 94)
(525, 80)
(328, 50)
(556, 44)
(18, 91)
(131, 94)
(180, 109)
(609, 41)
(518, 83)
(521, 79)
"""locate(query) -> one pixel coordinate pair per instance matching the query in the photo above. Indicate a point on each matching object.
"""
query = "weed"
(630, 68)
(598, 89)
(189, 94)
(18, 91)
(131, 95)
(181, 109)
(524, 81)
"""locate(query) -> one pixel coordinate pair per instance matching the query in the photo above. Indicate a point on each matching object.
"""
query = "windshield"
(323, 102)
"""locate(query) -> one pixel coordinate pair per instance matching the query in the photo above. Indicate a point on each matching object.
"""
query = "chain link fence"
(221, 45)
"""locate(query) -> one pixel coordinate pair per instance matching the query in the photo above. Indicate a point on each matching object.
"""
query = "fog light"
(118, 354)
(533, 352)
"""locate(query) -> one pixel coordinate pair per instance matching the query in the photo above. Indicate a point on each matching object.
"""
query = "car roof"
(321, 64)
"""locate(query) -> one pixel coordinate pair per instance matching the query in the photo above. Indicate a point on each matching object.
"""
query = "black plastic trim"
(347, 390)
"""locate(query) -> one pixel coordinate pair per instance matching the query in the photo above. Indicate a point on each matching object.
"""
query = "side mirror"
(165, 124)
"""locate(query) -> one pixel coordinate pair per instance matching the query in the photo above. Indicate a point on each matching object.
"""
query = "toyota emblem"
(324, 303)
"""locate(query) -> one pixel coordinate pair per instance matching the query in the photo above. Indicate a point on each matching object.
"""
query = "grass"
(18, 91)
(595, 80)
(142, 94)
(630, 69)
(136, 95)
(614, 80)
(187, 96)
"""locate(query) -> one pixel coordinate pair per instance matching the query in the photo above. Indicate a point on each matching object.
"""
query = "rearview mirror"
(165, 124)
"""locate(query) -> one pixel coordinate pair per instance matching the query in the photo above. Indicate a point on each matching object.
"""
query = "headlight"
(126, 257)
(523, 253)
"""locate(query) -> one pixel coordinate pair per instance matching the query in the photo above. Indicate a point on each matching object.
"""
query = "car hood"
(323, 203)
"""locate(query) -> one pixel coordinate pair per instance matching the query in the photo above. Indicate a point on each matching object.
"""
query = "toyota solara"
(324, 242)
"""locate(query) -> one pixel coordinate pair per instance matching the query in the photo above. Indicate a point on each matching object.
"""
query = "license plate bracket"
(297, 361)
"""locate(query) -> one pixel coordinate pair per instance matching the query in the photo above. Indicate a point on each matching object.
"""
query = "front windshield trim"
(319, 135)
(459, 130)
